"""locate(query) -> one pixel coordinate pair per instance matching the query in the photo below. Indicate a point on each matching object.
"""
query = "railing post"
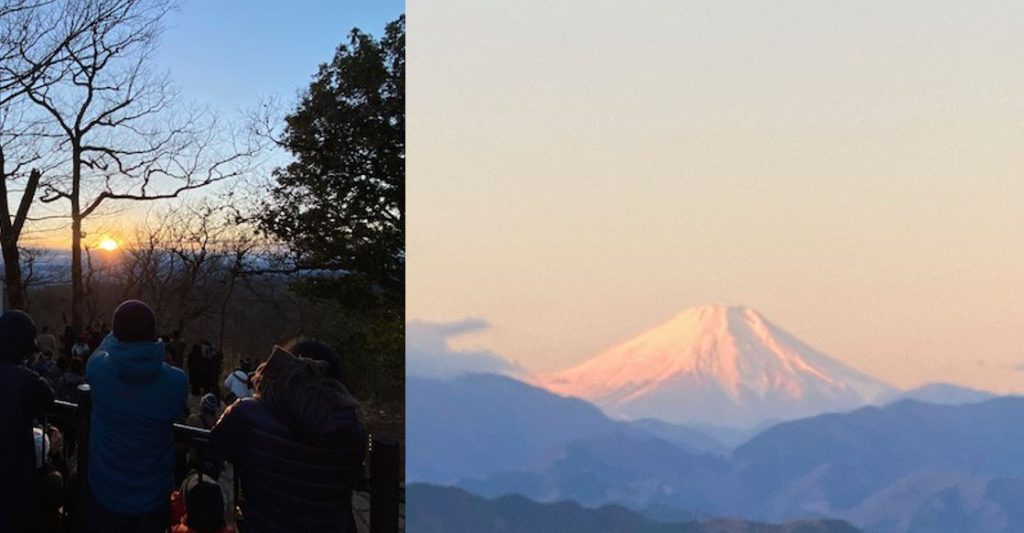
(384, 481)
(81, 490)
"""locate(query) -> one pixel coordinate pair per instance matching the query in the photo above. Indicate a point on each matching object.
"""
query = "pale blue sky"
(229, 53)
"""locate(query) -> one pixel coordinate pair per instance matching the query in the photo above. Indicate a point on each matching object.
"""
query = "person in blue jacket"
(136, 400)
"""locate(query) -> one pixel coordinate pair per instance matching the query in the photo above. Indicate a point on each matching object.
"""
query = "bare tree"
(36, 271)
(11, 224)
(127, 136)
(186, 262)
(27, 30)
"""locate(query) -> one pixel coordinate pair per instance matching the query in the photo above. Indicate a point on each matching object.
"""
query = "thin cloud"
(428, 354)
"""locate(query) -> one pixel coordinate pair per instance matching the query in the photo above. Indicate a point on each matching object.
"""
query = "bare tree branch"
(127, 136)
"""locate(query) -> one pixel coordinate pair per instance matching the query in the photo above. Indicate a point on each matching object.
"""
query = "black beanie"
(17, 336)
(134, 321)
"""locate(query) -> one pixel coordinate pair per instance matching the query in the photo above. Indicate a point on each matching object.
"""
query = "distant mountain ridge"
(434, 509)
(942, 393)
(477, 424)
(716, 365)
(908, 467)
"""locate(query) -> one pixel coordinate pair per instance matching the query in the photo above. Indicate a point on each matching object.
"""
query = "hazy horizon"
(583, 172)
(229, 57)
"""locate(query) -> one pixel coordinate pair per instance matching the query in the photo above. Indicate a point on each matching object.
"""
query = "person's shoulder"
(175, 379)
(97, 359)
(250, 410)
(173, 373)
(246, 405)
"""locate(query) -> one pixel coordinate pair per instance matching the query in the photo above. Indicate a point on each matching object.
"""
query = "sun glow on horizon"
(108, 244)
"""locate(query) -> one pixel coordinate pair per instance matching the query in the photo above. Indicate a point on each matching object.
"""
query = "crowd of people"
(290, 430)
(203, 363)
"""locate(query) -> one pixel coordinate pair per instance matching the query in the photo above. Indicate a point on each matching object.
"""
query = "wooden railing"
(382, 480)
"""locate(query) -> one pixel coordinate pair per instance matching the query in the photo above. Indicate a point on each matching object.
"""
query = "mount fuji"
(716, 365)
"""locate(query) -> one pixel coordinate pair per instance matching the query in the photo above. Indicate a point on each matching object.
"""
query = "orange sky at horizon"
(120, 225)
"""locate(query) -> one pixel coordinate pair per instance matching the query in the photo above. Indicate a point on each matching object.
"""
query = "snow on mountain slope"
(716, 365)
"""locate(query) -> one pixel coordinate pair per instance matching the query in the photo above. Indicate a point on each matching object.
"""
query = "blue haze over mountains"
(906, 466)
(940, 458)
(443, 509)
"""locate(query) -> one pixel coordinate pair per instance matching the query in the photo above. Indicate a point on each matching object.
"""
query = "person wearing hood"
(136, 400)
(297, 446)
(23, 396)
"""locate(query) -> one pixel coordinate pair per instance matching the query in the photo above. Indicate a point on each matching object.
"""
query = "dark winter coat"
(67, 386)
(194, 362)
(298, 449)
(212, 361)
(23, 396)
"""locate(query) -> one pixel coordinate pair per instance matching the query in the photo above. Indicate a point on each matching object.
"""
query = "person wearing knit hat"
(17, 336)
(134, 321)
(205, 461)
(209, 404)
(136, 398)
(23, 396)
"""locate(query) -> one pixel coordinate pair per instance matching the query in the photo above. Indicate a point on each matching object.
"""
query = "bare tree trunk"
(77, 290)
(224, 312)
(12, 275)
(88, 292)
(10, 233)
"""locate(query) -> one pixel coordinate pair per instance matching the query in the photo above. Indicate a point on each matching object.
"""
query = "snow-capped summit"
(716, 365)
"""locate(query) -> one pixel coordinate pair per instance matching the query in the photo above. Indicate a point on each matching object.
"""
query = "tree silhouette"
(34, 39)
(127, 137)
(341, 204)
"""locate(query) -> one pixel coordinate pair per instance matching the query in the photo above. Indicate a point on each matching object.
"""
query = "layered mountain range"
(680, 425)
(909, 466)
